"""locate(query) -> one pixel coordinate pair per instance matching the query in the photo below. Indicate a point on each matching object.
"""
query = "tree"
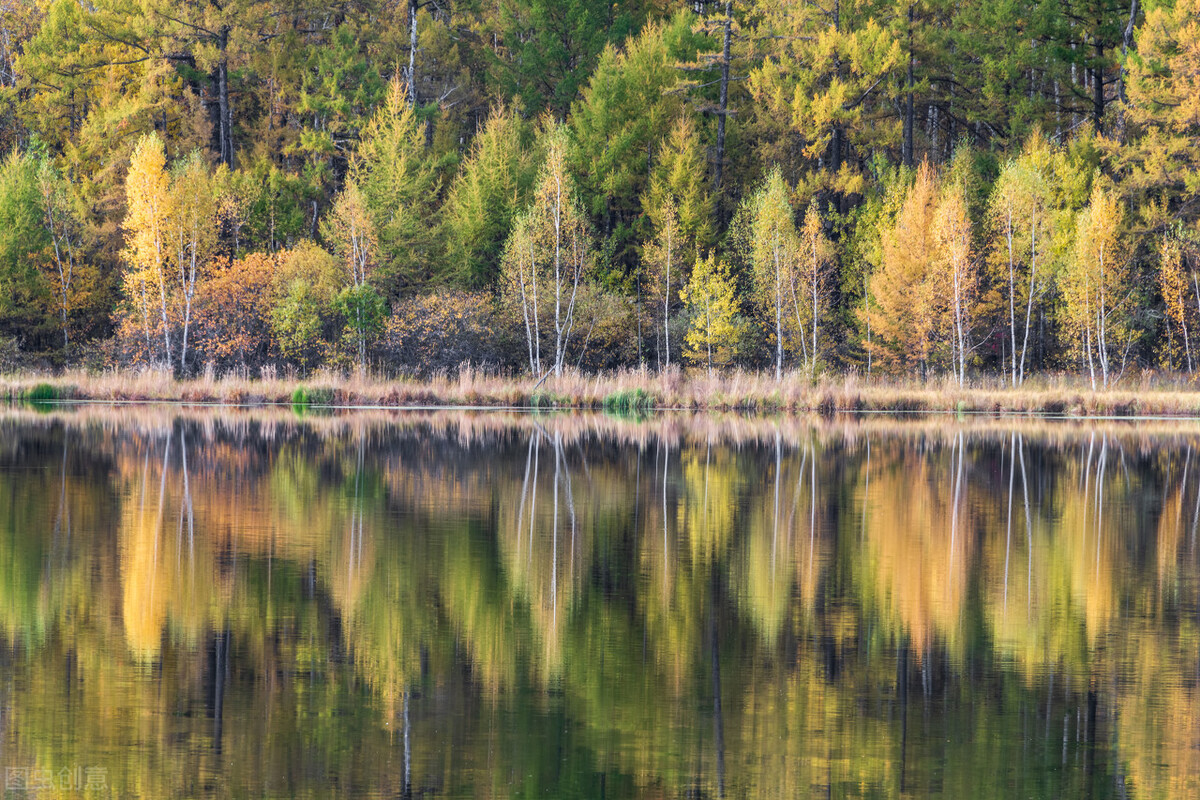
(520, 270)
(399, 187)
(711, 304)
(303, 288)
(826, 67)
(1159, 158)
(1177, 282)
(678, 172)
(958, 267)
(63, 219)
(663, 261)
(352, 232)
(1097, 287)
(1021, 215)
(619, 121)
(902, 316)
(774, 252)
(487, 194)
(192, 231)
(22, 239)
(561, 240)
(810, 281)
(147, 221)
(365, 312)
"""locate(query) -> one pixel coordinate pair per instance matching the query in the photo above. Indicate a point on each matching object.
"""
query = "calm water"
(263, 605)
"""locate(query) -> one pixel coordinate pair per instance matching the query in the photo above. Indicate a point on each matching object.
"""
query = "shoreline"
(627, 392)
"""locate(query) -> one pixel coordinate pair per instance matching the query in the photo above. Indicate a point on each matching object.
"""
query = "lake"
(241, 603)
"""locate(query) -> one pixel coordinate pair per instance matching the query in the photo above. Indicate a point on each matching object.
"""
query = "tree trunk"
(412, 53)
(908, 102)
(225, 126)
(723, 106)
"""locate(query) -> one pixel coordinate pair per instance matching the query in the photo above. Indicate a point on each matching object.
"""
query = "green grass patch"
(629, 401)
(312, 396)
(43, 393)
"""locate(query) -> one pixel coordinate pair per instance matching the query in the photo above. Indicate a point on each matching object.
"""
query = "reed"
(1152, 394)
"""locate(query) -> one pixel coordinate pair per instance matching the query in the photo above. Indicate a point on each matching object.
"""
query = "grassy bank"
(630, 391)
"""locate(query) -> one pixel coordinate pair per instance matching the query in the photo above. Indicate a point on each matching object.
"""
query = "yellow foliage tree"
(904, 309)
(149, 209)
(1096, 285)
(712, 306)
(958, 276)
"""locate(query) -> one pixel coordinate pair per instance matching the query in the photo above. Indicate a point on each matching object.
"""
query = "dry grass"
(1066, 395)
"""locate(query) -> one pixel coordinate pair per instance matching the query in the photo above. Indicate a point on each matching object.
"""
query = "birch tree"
(350, 228)
(148, 212)
(1177, 283)
(960, 273)
(1020, 215)
(712, 307)
(1096, 285)
(663, 262)
(774, 249)
(64, 225)
(810, 283)
(192, 229)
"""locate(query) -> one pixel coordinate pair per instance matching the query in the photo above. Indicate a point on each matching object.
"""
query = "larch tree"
(491, 188)
(904, 305)
(147, 222)
(711, 303)
(1096, 285)
(774, 250)
(399, 187)
(958, 271)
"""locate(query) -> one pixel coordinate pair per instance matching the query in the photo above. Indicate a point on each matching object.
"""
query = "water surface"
(255, 604)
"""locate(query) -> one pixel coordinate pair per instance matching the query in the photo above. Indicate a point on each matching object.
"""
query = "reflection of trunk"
(220, 676)
(1012, 475)
(718, 719)
(407, 751)
(902, 691)
(775, 518)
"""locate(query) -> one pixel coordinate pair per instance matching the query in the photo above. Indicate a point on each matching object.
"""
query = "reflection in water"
(504, 605)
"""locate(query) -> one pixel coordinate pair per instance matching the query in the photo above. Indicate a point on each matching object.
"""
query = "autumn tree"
(958, 271)
(1097, 288)
(491, 188)
(904, 308)
(399, 187)
(561, 243)
(67, 230)
(147, 226)
(352, 231)
(1022, 217)
(1180, 290)
(663, 258)
(192, 232)
(711, 304)
(774, 252)
(811, 281)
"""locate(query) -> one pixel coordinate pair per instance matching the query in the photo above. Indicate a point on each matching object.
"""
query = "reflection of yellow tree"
(919, 541)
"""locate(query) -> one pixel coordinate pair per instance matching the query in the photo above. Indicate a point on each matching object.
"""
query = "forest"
(404, 186)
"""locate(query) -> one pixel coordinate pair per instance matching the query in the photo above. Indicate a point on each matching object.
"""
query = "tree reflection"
(546, 607)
